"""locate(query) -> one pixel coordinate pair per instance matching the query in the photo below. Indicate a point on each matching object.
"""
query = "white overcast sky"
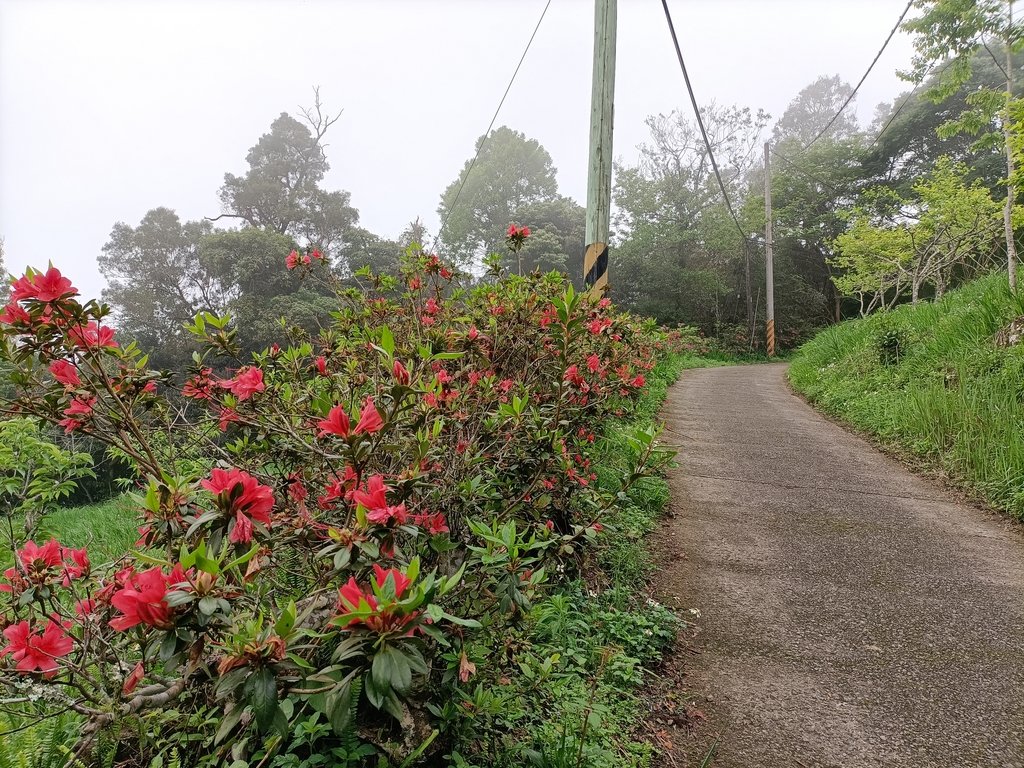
(109, 109)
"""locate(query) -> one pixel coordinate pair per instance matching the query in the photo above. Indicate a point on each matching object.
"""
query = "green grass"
(940, 389)
(108, 529)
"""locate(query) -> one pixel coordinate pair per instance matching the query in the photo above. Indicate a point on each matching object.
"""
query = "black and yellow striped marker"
(595, 267)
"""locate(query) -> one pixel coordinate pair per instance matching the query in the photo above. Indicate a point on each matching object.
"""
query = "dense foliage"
(343, 536)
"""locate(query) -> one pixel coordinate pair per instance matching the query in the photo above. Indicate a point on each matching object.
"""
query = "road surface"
(851, 613)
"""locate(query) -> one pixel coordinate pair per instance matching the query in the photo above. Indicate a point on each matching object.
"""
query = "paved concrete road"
(852, 614)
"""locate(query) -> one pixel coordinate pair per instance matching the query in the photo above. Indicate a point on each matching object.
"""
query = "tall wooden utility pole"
(769, 267)
(1011, 245)
(599, 176)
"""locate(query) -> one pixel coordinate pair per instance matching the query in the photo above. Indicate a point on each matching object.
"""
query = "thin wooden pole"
(769, 267)
(599, 176)
(1011, 245)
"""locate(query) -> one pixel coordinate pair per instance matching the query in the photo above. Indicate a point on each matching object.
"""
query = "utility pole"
(1011, 245)
(769, 267)
(599, 176)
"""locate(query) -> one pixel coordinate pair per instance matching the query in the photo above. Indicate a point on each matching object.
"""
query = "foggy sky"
(109, 109)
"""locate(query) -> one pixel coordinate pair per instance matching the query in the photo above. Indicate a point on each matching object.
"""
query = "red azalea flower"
(142, 601)
(593, 363)
(35, 558)
(199, 386)
(92, 336)
(401, 373)
(77, 567)
(14, 314)
(374, 500)
(65, 373)
(37, 651)
(434, 524)
(321, 365)
(375, 495)
(47, 287)
(317, 254)
(133, 679)
(639, 381)
(241, 494)
(227, 416)
(247, 382)
(336, 423)
(512, 231)
(292, 260)
(369, 419)
(401, 581)
(351, 596)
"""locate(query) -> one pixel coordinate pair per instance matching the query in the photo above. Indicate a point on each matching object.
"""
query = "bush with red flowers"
(326, 526)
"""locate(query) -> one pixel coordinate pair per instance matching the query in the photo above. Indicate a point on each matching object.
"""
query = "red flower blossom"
(317, 254)
(15, 314)
(133, 679)
(336, 423)
(291, 261)
(76, 413)
(248, 381)
(369, 419)
(92, 336)
(351, 596)
(199, 386)
(639, 381)
(434, 524)
(374, 500)
(321, 365)
(47, 287)
(142, 600)
(241, 494)
(227, 416)
(401, 373)
(35, 558)
(400, 580)
(37, 650)
(65, 373)
(593, 363)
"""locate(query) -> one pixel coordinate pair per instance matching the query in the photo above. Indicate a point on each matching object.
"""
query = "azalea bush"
(329, 531)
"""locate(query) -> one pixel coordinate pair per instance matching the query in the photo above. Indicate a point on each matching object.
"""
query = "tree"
(510, 172)
(280, 192)
(678, 252)
(894, 244)
(558, 231)
(157, 281)
(955, 31)
(249, 264)
(809, 113)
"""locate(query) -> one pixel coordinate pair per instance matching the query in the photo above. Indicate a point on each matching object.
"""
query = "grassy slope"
(952, 397)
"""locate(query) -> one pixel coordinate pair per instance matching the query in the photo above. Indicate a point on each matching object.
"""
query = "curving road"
(852, 613)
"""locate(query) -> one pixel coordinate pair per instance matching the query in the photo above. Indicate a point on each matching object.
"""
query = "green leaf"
(387, 341)
(260, 692)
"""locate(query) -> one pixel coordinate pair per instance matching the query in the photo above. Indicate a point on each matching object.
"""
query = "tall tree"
(281, 190)
(955, 31)
(157, 282)
(908, 141)
(678, 252)
(510, 172)
(809, 113)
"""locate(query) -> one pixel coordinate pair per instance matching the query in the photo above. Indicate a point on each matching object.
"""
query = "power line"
(487, 133)
(828, 185)
(894, 115)
(700, 121)
(853, 93)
